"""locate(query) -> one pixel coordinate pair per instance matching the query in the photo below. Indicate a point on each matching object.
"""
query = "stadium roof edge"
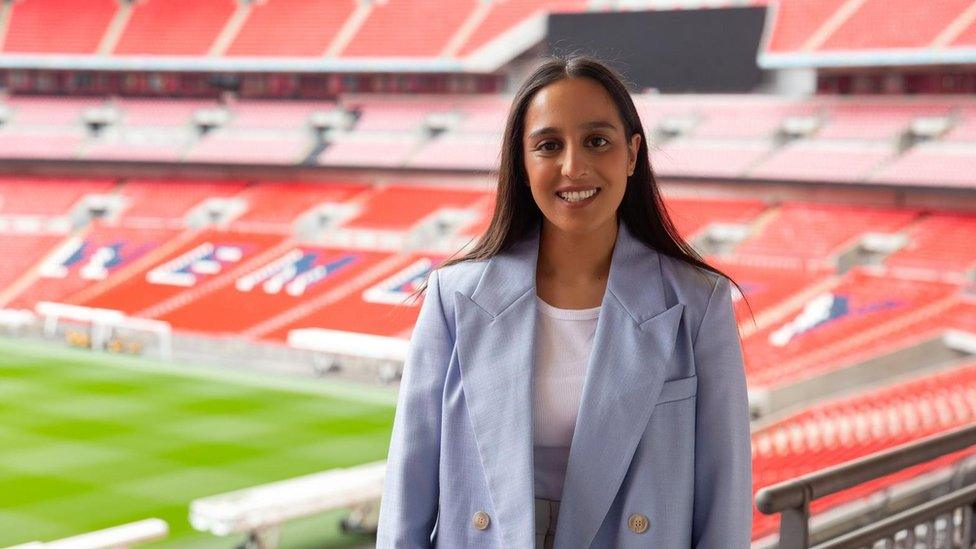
(231, 64)
(867, 58)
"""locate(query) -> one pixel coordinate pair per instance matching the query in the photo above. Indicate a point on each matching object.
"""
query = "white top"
(564, 338)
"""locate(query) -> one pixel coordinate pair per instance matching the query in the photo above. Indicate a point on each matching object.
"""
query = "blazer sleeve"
(723, 447)
(408, 509)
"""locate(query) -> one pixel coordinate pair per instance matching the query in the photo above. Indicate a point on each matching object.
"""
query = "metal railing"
(917, 525)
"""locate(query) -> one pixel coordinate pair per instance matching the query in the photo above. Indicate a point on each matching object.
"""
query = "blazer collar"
(634, 338)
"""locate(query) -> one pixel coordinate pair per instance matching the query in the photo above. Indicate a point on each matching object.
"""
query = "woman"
(576, 380)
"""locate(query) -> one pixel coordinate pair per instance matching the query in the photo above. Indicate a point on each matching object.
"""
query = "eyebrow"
(586, 126)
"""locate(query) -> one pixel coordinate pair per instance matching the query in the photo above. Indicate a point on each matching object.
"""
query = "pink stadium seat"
(291, 27)
(796, 20)
(160, 112)
(49, 111)
(406, 28)
(377, 305)
(257, 113)
(399, 207)
(19, 253)
(885, 24)
(815, 160)
(941, 242)
(170, 199)
(251, 148)
(90, 256)
(505, 14)
(304, 274)
(700, 158)
(876, 119)
(819, 335)
(276, 205)
(944, 164)
(70, 26)
(46, 196)
(765, 286)
(746, 117)
(850, 427)
(814, 232)
(132, 150)
(60, 144)
(194, 262)
(369, 151)
(692, 214)
(173, 27)
(394, 114)
(459, 151)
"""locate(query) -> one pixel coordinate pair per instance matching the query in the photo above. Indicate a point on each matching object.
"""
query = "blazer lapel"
(635, 335)
(634, 339)
(495, 341)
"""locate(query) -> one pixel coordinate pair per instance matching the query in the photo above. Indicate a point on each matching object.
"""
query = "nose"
(574, 163)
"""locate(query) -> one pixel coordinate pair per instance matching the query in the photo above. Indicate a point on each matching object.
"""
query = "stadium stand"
(71, 26)
(847, 220)
(168, 27)
(814, 233)
(282, 27)
(816, 335)
(845, 428)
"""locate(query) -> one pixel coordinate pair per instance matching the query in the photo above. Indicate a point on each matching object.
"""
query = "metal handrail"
(792, 497)
(889, 526)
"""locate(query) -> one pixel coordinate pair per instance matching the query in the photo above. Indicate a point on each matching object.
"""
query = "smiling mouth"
(578, 196)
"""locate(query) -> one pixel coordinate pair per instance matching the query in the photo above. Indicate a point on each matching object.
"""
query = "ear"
(632, 149)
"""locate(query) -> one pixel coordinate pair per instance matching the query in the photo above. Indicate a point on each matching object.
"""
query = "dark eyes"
(549, 146)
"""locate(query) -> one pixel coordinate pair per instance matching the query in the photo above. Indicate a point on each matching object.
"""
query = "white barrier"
(117, 537)
(260, 511)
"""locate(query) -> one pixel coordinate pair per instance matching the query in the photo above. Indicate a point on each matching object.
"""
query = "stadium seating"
(814, 233)
(290, 27)
(692, 214)
(95, 254)
(938, 243)
(377, 305)
(173, 27)
(45, 196)
(194, 262)
(162, 200)
(826, 161)
(399, 207)
(506, 14)
(850, 427)
(408, 29)
(952, 164)
(708, 158)
(816, 336)
(296, 275)
(276, 205)
(71, 26)
(917, 24)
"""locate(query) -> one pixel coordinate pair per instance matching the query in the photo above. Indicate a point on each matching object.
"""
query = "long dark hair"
(516, 212)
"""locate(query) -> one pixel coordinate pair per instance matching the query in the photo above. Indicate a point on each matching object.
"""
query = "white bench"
(259, 512)
(117, 537)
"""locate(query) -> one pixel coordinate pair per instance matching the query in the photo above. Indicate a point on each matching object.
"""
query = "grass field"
(89, 440)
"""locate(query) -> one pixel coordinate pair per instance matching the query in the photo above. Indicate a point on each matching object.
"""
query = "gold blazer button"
(481, 520)
(638, 523)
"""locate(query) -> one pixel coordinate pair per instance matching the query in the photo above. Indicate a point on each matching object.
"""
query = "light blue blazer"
(662, 431)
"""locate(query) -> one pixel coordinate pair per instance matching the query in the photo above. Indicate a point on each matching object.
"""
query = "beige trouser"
(546, 512)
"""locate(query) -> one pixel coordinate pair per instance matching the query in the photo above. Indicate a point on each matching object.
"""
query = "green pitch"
(90, 440)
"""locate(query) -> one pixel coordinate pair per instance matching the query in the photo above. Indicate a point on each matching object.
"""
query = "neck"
(576, 258)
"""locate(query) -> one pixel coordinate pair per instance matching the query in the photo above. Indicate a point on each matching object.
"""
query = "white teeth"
(577, 196)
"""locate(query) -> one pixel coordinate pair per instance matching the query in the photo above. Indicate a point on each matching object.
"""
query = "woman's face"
(574, 140)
